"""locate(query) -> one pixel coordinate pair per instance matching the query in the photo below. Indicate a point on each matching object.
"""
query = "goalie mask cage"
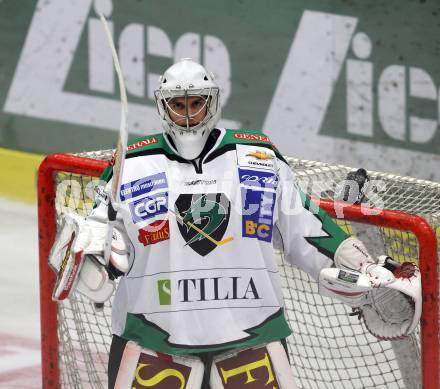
(328, 348)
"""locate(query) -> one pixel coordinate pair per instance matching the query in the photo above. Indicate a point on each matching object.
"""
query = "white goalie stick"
(123, 131)
(121, 146)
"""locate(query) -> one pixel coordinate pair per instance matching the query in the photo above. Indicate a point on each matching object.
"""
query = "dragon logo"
(202, 216)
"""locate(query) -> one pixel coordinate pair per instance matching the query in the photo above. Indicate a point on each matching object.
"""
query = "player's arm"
(309, 237)
(77, 255)
(385, 293)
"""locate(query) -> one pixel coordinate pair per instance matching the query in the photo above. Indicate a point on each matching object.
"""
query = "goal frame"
(46, 191)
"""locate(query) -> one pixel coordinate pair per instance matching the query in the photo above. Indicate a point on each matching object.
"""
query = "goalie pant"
(185, 293)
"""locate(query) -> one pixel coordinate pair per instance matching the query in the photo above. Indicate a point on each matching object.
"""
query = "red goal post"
(426, 237)
(47, 229)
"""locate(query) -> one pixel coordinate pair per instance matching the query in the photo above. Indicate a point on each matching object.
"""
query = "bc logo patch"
(143, 185)
(257, 219)
(149, 206)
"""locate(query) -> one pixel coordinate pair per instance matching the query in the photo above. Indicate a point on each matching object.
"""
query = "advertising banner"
(342, 82)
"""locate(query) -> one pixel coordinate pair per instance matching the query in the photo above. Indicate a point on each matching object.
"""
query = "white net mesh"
(328, 348)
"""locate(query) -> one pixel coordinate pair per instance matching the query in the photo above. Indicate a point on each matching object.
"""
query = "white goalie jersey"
(202, 273)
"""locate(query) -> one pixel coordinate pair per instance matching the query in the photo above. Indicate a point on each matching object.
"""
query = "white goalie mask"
(189, 106)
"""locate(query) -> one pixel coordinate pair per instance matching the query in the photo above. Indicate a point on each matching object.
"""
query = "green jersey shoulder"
(244, 137)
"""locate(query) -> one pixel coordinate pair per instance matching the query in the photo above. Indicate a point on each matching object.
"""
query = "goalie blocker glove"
(386, 294)
(77, 257)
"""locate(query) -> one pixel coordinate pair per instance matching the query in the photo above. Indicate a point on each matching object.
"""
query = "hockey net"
(328, 348)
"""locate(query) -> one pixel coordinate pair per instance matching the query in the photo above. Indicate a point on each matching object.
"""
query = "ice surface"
(19, 296)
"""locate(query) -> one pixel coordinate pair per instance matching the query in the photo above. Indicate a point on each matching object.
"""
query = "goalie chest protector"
(215, 286)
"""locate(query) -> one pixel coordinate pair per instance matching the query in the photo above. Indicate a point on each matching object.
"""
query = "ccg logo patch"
(257, 219)
(155, 232)
(149, 206)
(208, 213)
(143, 186)
(258, 178)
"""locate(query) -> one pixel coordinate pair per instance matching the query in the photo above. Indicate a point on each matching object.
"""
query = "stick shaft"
(121, 146)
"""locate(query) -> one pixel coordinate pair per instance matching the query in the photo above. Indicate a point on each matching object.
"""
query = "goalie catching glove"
(77, 257)
(386, 294)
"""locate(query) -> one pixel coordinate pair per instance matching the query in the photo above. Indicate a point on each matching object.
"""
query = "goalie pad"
(140, 368)
(390, 309)
(261, 366)
(77, 258)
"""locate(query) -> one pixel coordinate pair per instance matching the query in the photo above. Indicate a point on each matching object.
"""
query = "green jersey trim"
(149, 335)
(243, 137)
(139, 146)
(151, 142)
(326, 245)
(153, 145)
(107, 174)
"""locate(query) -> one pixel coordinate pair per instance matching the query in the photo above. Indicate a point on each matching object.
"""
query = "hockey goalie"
(199, 301)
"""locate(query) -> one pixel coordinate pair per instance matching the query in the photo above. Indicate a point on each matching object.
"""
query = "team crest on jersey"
(208, 213)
